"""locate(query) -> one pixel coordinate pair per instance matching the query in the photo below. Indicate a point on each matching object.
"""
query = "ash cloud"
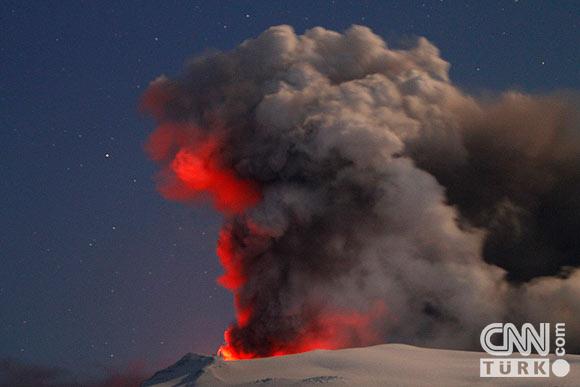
(384, 184)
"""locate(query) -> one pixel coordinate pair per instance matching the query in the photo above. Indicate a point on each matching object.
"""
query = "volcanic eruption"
(366, 198)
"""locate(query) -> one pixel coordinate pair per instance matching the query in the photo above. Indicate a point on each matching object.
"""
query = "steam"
(369, 200)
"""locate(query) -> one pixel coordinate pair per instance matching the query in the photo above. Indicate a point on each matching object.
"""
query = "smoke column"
(366, 198)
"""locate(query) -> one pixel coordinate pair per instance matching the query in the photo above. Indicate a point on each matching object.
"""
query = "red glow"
(200, 173)
(233, 278)
(195, 165)
(333, 330)
(196, 168)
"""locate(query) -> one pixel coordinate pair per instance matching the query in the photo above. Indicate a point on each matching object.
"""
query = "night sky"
(98, 272)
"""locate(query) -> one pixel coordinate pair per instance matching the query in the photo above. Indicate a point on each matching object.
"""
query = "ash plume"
(367, 198)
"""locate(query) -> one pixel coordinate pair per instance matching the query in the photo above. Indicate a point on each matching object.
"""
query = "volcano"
(366, 198)
(381, 365)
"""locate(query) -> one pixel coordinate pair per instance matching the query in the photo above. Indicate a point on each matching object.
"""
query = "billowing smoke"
(369, 200)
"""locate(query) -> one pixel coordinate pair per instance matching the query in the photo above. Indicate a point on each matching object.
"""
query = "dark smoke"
(391, 207)
(519, 179)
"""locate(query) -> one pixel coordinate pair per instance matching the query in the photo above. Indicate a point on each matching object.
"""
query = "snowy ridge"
(381, 365)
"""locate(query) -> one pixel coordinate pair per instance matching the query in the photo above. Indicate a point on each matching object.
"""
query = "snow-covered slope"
(382, 365)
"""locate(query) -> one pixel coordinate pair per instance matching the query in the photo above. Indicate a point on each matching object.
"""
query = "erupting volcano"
(330, 331)
(366, 198)
(193, 168)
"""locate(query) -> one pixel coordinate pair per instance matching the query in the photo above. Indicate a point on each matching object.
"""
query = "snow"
(382, 365)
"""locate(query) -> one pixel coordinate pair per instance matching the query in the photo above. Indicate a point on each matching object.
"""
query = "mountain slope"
(382, 365)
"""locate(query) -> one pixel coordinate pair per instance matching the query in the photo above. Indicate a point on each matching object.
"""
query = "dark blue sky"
(97, 270)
